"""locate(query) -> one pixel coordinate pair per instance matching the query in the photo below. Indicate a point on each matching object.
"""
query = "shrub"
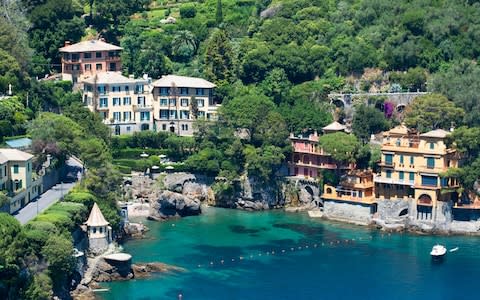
(36, 239)
(187, 11)
(82, 197)
(40, 288)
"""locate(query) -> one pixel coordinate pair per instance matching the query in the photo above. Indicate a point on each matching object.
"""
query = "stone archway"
(400, 108)
(424, 199)
(338, 102)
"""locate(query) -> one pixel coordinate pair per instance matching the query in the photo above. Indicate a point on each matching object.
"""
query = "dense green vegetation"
(274, 63)
(36, 260)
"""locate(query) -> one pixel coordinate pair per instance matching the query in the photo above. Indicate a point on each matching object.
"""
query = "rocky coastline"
(116, 267)
(177, 195)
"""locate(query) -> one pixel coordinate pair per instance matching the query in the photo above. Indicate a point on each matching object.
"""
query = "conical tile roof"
(335, 126)
(96, 217)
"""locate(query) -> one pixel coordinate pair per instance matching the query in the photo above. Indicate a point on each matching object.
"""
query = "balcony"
(431, 169)
(319, 166)
(357, 185)
(309, 150)
(112, 58)
(142, 107)
(103, 108)
(380, 179)
(340, 194)
(118, 122)
(387, 164)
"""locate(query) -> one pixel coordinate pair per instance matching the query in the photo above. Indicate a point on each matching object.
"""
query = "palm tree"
(184, 44)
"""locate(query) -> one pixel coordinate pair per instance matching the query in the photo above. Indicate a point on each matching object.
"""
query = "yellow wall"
(418, 148)
(24, 173)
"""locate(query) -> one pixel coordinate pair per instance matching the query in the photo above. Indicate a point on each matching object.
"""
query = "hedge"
(136, 152)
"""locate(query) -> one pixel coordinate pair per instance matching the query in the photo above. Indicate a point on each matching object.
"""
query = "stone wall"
(346, 211)
(97, 245)
(392, 208)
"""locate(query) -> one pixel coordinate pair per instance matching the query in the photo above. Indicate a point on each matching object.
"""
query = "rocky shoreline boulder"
(135, 230)
(171, 205)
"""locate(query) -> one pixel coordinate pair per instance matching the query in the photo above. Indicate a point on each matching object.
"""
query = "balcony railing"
(142, 107)
(380, 179)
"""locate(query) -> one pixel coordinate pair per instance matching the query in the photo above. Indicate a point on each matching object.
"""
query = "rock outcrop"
(107, 270)
(146, 270)
(170, 204)
(135, 230)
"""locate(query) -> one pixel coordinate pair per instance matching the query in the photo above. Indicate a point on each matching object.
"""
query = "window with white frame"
(103, 102)
(184, 114)
(184, 102)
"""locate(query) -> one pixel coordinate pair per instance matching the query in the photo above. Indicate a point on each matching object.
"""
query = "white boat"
(438, 251)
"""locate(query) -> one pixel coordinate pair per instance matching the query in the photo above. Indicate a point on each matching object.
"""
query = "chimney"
(67, 43)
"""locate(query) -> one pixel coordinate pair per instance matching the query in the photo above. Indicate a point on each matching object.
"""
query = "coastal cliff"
(181, 194)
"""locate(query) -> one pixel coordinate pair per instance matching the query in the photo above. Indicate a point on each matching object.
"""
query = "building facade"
(87, 58)
(179, 100)
(124, 103)
(17, 179)
(412, 166)
(308, 158)
(356, 186)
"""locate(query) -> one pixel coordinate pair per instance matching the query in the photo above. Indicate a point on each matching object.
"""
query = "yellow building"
(411, 167)
(17, 180)
(356, 186)
(124, 103)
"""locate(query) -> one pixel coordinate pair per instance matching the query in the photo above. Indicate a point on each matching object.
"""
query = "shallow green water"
(279, 255)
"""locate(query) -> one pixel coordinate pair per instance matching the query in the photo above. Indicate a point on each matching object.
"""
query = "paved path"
(49, 197)
(43, 202)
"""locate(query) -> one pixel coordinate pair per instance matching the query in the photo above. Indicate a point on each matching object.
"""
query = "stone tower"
(98, 230)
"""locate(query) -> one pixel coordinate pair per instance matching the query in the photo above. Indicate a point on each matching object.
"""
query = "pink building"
(88, 58)
(308, 158)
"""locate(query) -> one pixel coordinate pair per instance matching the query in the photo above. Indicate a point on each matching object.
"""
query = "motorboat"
(438, 251)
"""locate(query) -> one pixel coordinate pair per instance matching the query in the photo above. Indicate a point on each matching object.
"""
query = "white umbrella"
(144, 155)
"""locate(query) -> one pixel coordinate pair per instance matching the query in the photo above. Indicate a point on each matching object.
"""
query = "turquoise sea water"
(373, 266)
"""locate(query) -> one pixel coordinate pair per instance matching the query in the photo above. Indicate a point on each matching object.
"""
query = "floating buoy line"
(283, 251)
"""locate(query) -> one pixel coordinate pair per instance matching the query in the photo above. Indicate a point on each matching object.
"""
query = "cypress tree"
(219, 15)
